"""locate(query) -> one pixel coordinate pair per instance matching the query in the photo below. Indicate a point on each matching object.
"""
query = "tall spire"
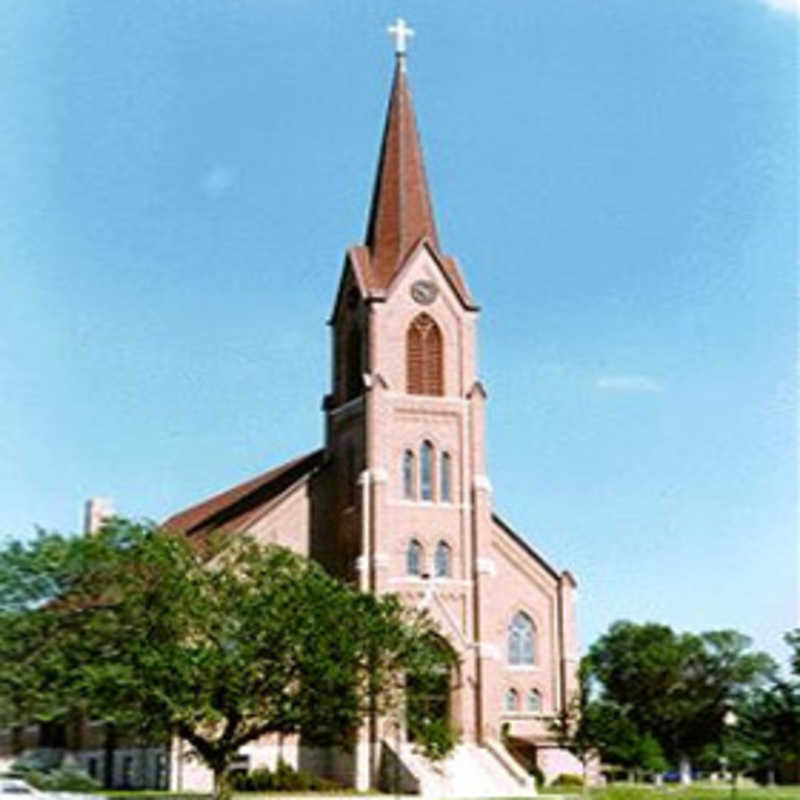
(401, 212)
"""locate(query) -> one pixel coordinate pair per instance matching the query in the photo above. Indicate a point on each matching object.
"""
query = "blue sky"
(617, 178)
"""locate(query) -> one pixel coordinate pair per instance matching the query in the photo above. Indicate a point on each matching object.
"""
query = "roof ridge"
(199, 514)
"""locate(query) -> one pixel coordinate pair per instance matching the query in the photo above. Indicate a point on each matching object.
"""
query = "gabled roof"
(236, 507)
(537, 557)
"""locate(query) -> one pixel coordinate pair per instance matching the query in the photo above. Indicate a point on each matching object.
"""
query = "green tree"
(579, 726)
(133, 626)
(593, 728)
(769, 721)
(673, 687)
(792, 638)
(649, 756)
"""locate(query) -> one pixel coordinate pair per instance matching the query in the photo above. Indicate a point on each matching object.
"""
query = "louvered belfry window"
(424, 357)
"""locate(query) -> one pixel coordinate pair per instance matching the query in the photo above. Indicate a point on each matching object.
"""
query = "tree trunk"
(585, 766)
(686, 771)
(771, 777)
(222, 784)
(109, 747)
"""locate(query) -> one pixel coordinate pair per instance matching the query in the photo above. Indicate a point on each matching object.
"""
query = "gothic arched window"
(426, 471)
(409, 476)
(521, 636)
(441, 560)
(511, 700)
(534, 701)
(414, 558)
(424, 372)
(446, 479)
(353, 371)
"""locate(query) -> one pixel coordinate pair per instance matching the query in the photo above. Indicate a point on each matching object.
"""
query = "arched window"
(426, 471)
(511, 700)
(441, 565)
(409, 476)
(445, 493)
(414, 558)
(353, 372)
(534, 701)
(521, 639)
(424, 373)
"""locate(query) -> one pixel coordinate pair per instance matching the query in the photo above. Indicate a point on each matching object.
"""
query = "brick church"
(398, 499)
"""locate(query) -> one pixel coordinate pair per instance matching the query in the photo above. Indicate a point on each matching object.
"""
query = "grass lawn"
(698, 792)
(619, 792)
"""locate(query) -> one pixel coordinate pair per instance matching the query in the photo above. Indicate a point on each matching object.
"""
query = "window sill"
(525, 715)
(428, 503)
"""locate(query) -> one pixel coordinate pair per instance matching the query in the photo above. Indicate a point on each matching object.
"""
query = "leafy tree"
(219, 645)
(621, 744)
(792, 638)
(675, 688)
(769, 725)
(649, 755)
(579, 725)
(592, 728)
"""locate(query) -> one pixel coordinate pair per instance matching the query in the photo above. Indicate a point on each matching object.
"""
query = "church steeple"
(401, 213)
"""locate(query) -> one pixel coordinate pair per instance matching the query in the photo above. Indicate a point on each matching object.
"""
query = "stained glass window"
(409, 479)
(442, 560)
(534, 700)
(414, 558)
(446, 479)
(521, 636)
(426, 471)
(511, 701)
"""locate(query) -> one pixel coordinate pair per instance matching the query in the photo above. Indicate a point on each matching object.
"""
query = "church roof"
(529, 549)
(401, 212)
(236, 507)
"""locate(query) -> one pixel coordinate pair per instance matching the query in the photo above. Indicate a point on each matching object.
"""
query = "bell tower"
(405, 415)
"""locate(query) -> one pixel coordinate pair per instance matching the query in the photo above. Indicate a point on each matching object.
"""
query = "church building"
(398, 499)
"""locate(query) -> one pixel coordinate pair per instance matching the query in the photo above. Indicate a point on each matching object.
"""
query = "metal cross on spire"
(401, 33)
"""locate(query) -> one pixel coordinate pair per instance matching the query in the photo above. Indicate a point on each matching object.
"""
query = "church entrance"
(430, 699)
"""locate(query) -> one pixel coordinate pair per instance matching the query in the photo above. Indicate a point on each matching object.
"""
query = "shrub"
(259, 780)
(34, 776)
(284, 779)
(568, 779)
(239, 781)
(437, 739)
(65, 779)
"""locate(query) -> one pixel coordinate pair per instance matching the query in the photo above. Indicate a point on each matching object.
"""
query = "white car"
(19, 788)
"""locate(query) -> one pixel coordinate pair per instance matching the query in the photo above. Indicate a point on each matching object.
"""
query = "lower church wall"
(132, 767)
(554, 761)
(188, 774)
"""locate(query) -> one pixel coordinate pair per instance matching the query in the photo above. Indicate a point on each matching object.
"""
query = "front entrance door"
(427, 702)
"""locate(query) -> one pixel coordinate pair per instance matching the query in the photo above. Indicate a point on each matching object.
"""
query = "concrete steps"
(470, 770)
